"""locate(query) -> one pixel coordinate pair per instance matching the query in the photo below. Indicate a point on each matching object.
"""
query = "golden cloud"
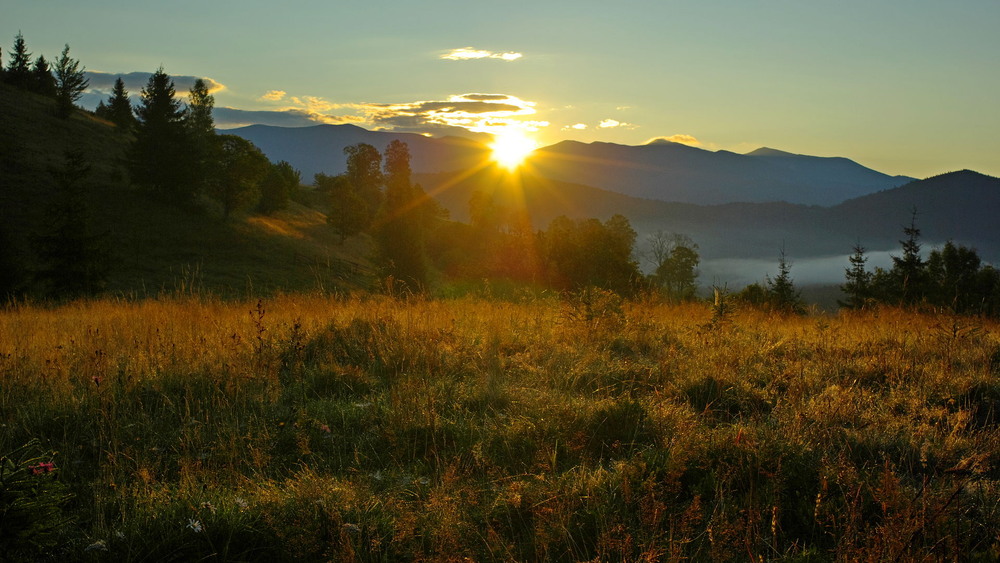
(479, 113)
(470, 53)
(681, 138)
(273, 95)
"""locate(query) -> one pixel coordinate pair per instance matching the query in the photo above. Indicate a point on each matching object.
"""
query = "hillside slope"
(157, 246)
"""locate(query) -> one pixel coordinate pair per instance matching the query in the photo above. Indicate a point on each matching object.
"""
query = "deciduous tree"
(242, 167)
(400, 233)
(278, 187)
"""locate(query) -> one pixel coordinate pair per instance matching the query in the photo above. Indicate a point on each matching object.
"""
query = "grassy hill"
(159, 247)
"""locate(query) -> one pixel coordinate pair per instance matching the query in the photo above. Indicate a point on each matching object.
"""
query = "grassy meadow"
(581, 428)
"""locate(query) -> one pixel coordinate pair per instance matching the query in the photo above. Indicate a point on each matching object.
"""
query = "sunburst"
(511, 148)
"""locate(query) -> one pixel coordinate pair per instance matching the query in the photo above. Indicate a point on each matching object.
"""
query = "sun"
(511, 148)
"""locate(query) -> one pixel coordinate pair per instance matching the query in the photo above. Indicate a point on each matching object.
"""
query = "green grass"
(373, 429)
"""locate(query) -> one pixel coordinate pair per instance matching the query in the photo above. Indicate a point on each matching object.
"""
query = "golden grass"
(370, 428)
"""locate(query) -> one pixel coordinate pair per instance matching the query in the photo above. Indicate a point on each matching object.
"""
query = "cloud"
(228, 118)
(470, 53)
(463, 114)
(486, 97)
(103, 82)
(273, 95)
(575, 127)
(481, 113)
(681, 138)
(613, 124)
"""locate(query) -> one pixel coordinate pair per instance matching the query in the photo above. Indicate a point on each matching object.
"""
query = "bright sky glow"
(903, 86)
(510, 148)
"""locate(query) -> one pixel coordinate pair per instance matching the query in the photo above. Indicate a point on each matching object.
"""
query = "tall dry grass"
(577, 429)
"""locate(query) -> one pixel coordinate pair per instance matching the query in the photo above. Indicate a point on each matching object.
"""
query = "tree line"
(174, 153)
(64, 80)
(953, 277)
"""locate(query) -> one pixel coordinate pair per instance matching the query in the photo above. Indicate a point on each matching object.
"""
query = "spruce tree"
(908, 271)
(781, 291)
(41, 77)
(71, 81)
(119, 107)
(203, 149)
(75, 259)
(19, 68)
(858, 281)
(159, 155)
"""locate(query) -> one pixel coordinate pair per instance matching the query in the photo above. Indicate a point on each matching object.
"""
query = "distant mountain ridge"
(676, 172)
(660, 170)
(320, 148)
(957, 206)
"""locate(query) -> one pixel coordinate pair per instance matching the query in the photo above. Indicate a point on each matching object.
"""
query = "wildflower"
(43, 467)
(352, 528)
(241, 502)
(209, 506)
(195, 525)
(324, 428)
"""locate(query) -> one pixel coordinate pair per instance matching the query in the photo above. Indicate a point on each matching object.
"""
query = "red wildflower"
(43, 467)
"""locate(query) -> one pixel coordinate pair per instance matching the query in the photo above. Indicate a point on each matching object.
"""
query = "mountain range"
(735, 206)
(660, 170)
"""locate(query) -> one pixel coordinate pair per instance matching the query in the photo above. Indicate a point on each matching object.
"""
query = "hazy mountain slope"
(675, 172)
(959, 206)
(321, 148)
(662, 170)
(962, 206)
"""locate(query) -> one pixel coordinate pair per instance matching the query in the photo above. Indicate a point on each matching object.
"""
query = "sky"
(902, 86)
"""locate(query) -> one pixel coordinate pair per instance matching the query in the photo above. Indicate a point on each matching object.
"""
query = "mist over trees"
(951, 278)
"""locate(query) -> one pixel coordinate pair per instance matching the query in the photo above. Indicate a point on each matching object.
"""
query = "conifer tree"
(858, 281)
(75, 258)
(71, 81)
(119, 107)
(41, 77)
(19, 68)
(203, 148)
(159, 157)
(781, 290)
(908, 271)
